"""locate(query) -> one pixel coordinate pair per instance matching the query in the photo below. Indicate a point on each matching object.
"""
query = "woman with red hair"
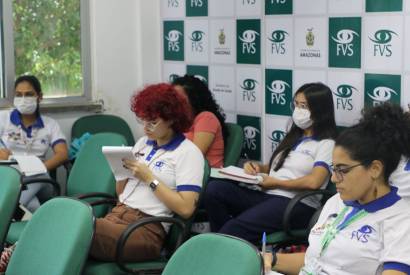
(167, 177)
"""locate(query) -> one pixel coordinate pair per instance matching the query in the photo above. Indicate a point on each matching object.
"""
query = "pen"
(250, 162)
(263, 244)
(2, 144)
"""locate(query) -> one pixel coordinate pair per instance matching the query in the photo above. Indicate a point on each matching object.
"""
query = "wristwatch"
(274, 259)
(154, 184)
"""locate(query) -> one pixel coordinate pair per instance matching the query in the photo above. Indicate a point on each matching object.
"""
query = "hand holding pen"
(250, 167)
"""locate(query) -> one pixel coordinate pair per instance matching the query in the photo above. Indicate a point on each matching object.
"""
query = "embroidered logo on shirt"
(363, 234)
(158, 165)
(319, 229)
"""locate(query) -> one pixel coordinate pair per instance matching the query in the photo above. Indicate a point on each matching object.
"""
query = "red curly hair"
(162, 100)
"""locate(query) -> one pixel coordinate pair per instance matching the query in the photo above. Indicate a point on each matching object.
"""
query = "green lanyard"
(333, 229)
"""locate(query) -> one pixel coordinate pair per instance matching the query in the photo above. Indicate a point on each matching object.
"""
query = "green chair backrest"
(91, 171)
(55, 241)
(10, 188)
(174, 231)
(234, 143)
(101, 123)
(211, 253)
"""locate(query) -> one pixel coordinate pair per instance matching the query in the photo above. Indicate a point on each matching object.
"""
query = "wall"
(254, 55)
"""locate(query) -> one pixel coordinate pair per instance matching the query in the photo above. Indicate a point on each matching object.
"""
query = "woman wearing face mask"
(300, 162)
(24, 131)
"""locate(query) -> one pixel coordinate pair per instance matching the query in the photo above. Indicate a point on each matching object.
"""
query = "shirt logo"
(158, 165)
(363, 234)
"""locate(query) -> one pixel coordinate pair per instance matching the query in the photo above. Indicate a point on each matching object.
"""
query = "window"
(49, 39)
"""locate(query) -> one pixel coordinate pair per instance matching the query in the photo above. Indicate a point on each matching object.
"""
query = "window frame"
(9, 58)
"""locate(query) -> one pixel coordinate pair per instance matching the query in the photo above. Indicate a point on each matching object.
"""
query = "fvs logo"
(248, 39)
(248, 89)
(173, 40)
(363, 234)
(343, 95)
(172, 77)
(344, 40)
(196, 38)
(381, 42)
(276, 138)
(173, 3)
(196, 3)
(250, 133)
(277, 89)
(381, 94)
(277, 38)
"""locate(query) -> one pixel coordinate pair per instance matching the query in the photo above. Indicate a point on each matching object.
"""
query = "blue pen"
(263, 244)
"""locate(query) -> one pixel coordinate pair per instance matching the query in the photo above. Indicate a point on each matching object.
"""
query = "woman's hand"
(4, 154)
(251, 168)
(268, 182)
(139, 170)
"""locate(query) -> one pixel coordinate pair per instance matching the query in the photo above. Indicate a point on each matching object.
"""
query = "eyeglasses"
(150, 125)
(340, 172)
(301, 105)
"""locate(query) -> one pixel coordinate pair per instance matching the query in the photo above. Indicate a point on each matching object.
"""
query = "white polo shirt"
(304, 156)
(178, 164)
(35, 140)
(378, 241)
(401, 178)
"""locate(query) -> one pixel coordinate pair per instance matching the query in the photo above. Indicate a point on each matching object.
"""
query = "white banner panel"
(222, 85)
(173, 9)
(276, 128)
(171, 71)
(407, 46)
(248, 8)
(249, 87)
(223, 43)
(309, 6)
(383, 38)
(311, 40)
(196, 41)
(230, 117)
(346, 6)
(301, 77)
(348, 98)
(405, 97)
(279, 41)
(221, 8)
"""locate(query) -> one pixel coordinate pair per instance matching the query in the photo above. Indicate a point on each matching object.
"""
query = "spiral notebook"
(237, 174)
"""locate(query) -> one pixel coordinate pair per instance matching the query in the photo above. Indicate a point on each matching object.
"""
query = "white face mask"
(26, 105)
(301, 117)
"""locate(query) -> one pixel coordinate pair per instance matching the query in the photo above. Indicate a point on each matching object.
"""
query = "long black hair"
(320, 102)
(201, 99)
(382, 134)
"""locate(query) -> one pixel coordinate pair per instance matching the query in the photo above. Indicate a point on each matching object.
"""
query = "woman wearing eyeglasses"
(167, 177)
(208, 130)
(364, 229)
(300, 162)
(24, 130)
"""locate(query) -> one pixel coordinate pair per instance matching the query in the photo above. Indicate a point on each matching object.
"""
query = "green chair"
(56, 240)
(292, 236)
(10, 189)
(179, 231)
(100, 123)
(234, 143)
(90, 177)
(215, 254)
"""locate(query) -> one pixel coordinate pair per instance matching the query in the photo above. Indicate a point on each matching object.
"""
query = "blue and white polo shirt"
(304, 156)
(376, 242)
(34, 140)
(401, 178)
(179, 164)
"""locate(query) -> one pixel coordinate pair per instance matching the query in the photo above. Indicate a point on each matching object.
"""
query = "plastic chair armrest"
(132, 227)
(94, 195)
(295, 200)
(55, 184)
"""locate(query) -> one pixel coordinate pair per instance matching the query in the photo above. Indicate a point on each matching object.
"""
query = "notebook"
(114, 156)
(237, 174)
(30, 165)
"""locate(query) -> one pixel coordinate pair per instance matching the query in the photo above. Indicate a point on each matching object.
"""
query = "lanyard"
(333, 229)
(28, 142)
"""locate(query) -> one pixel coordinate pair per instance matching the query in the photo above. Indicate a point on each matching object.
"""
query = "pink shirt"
(208, 122)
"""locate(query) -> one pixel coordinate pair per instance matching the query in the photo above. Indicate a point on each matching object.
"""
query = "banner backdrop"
(254, 54)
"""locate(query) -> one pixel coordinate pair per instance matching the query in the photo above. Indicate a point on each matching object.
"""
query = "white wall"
(125, 55)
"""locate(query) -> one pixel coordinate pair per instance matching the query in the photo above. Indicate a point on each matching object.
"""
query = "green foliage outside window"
(47, 44)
